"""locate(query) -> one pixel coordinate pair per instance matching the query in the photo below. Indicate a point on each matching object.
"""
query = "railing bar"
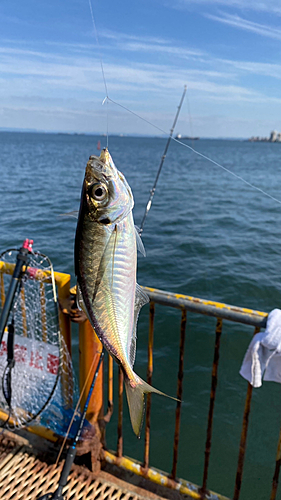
(192, 304)
(149, 380)
(179, 394)
(275, 478)
(208, 307)
(120, 414)
(243, 439)
(212, 404)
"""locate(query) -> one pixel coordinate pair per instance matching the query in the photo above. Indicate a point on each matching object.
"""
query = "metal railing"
(222, 312)
(90, 347)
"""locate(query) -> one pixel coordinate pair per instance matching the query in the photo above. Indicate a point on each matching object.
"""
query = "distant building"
(273, 136)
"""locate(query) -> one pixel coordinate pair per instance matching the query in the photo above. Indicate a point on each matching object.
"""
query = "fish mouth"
(105, 156)
(101, 167)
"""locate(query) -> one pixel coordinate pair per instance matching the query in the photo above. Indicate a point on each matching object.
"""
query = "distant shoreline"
(100, 135)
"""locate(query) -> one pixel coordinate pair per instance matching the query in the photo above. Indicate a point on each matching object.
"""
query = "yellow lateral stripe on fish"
(105, 266)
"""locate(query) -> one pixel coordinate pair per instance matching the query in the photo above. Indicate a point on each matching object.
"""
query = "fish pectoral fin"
(140, 245)
(135, 397)
(74, 214)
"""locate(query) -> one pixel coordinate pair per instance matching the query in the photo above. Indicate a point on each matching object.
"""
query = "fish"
(106, 244)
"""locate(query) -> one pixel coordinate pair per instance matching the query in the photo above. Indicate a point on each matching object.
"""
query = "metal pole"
(148, 206)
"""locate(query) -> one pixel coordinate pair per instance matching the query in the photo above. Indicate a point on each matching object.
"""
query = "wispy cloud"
(27, 72)
(256, 68)
(41, 71)
(42, 80)
(240, 23)
(136, 43)
(270, 6)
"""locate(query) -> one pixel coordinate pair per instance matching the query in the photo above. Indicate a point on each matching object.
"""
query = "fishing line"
(107, 99)
(197, 152)
(102, 68)
(99, 48)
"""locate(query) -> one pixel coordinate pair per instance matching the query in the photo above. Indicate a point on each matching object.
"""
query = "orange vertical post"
(63, 285)
(2, 287)
(90, 348)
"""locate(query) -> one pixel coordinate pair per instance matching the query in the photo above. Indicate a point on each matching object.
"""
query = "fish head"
(109, 198)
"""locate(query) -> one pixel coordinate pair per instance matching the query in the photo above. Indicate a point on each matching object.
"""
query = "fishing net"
(38, 383)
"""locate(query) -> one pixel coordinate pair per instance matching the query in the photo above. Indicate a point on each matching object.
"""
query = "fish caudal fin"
(135, 397)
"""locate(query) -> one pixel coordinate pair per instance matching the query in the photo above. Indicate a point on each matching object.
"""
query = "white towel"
(263, 357)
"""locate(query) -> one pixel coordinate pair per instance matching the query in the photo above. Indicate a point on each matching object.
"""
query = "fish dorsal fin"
(141, 298)
(140, 245)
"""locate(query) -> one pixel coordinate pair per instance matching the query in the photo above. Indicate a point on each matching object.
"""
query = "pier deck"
(28, 471)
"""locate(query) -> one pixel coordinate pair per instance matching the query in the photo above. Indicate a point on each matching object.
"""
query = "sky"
(227, 52)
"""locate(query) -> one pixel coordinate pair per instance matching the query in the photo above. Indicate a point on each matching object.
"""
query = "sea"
(208, 234)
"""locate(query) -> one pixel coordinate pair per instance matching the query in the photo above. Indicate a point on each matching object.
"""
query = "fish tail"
(135, 397)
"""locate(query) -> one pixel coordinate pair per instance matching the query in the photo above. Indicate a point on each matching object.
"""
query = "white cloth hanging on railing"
(262, 360)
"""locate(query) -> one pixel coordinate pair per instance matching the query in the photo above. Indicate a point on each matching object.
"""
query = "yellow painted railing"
(221, 312)
(89, 349)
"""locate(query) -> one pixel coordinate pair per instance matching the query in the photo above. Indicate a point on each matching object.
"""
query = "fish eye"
(98, 192)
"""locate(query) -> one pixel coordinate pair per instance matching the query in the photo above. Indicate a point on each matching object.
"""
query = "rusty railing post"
(109, 412)
(149, 380)
(243, 439)
(212, 405)
(120, 413)
(179, 394)
(275, 478)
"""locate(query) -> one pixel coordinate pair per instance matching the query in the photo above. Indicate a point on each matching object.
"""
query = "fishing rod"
(22, 260)
(57, 495)
(152, 192)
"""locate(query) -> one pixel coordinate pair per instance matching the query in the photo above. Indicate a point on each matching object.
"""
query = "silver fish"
(105, 266)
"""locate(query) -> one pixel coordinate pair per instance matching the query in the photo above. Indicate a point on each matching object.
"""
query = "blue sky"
(228, 53)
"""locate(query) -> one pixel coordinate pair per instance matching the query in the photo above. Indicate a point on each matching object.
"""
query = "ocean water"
(208, 235)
